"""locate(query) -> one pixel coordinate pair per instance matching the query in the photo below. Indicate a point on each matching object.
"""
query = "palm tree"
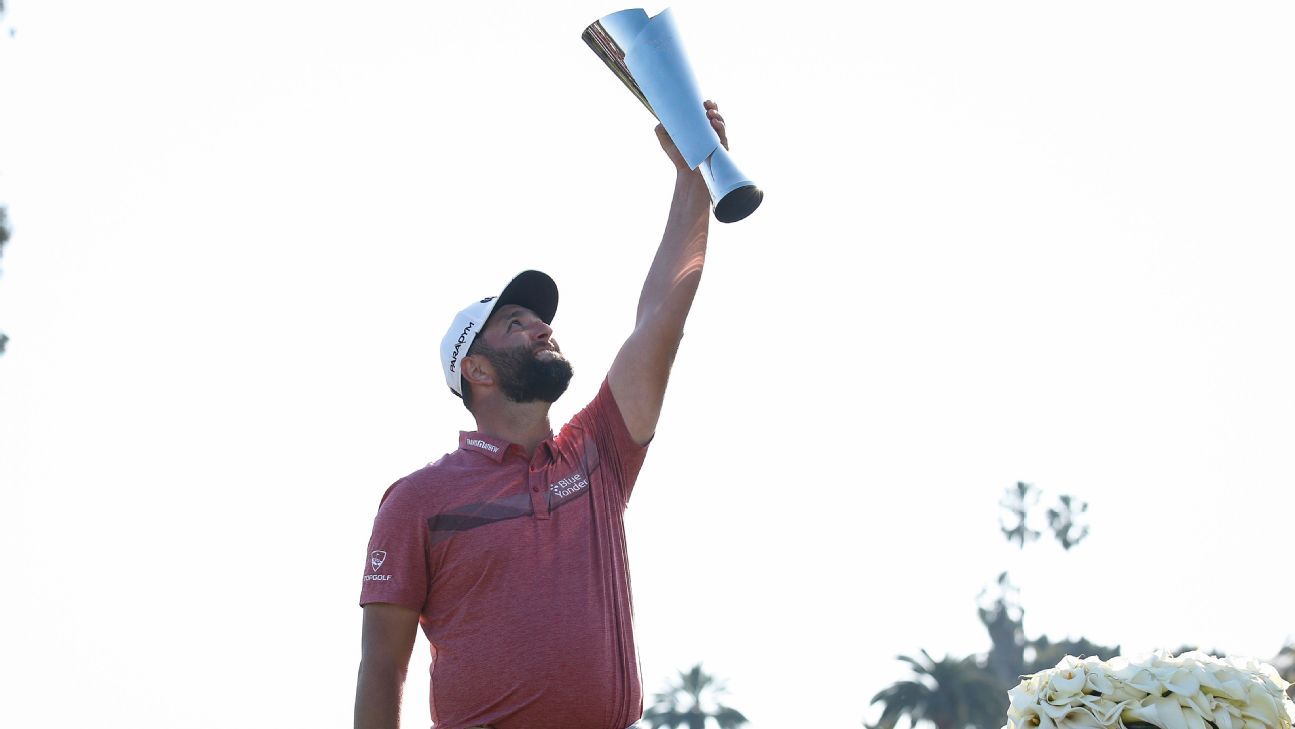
(1285, 665)
(1017, 504)
(952, 693)
(4, 231)
(683, 706)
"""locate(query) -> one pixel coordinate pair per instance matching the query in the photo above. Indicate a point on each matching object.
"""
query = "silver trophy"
(646, 54)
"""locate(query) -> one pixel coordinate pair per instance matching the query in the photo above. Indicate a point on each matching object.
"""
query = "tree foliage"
(1285, 665)
(1001, 614)
(4, 233)
(1016, 504)
(951, 693)
(692, 701)
(1064, 521)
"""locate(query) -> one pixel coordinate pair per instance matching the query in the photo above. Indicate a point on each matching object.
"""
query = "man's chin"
(548, 355)
(549, 393)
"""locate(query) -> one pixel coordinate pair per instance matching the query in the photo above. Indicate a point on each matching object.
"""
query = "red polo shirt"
(517, 566)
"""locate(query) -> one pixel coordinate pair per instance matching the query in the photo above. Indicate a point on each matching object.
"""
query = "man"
(510, 551)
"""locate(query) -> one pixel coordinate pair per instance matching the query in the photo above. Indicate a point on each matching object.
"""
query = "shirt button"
(536, 489)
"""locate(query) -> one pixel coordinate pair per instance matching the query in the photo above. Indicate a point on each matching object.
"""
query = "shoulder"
(426, 483)
(601, 418)
(593, 415)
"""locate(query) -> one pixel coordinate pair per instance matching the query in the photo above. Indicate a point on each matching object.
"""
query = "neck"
(526, 424)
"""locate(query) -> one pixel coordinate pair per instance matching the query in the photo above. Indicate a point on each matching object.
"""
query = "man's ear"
(477, 370)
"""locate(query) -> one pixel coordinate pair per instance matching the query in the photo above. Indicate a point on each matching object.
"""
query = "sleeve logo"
(377, 558)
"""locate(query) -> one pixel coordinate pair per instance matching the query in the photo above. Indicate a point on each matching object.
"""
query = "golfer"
(510, 551)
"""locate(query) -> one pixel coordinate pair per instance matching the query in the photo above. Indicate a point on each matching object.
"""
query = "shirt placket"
(538, 483)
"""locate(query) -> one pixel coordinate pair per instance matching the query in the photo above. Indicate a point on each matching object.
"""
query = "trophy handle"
(732, 194)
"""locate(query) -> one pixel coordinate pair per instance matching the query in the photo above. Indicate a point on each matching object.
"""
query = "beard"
(525, 378)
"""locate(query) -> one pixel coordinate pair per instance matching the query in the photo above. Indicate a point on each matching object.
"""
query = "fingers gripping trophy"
(646, 55)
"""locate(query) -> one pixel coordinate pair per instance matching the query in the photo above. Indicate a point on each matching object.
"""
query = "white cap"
(531, 289)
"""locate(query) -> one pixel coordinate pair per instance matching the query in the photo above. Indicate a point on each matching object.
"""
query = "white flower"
(1227, 716)
(1106, 710)
(1076, 718)
(1164, 712)
(1190, 691)
(1260, 705)
(1028, 716)
(1183, 682)
(1144, 680)
(1066, 682)
(1097, 681)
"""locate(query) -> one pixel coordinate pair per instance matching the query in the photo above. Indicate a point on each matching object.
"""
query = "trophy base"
(738, 204)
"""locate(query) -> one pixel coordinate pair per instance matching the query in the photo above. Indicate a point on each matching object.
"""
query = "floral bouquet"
(1190, 691)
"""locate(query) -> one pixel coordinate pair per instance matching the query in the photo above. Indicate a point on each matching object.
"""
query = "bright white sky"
(1001, 241)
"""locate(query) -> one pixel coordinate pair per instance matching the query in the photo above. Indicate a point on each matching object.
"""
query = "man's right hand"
(716, 123)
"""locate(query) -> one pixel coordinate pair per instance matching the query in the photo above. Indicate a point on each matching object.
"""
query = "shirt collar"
(495, 448)
(486, 445)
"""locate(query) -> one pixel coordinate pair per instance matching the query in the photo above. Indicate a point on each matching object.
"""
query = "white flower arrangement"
(1189, 691)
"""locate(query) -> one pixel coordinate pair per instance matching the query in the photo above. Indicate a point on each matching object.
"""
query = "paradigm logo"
(483, 445)
(463, 338)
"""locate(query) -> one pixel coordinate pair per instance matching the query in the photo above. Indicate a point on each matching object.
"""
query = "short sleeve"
(395, 568)
(602, 421)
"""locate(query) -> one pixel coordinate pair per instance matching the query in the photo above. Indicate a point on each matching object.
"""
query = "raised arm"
(641, 369)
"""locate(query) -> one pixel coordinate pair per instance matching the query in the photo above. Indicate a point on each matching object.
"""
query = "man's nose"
(542, 331)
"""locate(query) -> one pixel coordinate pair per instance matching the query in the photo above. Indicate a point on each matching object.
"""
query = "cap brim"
(533, 290)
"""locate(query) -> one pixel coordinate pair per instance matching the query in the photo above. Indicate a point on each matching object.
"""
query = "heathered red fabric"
(518, 568)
